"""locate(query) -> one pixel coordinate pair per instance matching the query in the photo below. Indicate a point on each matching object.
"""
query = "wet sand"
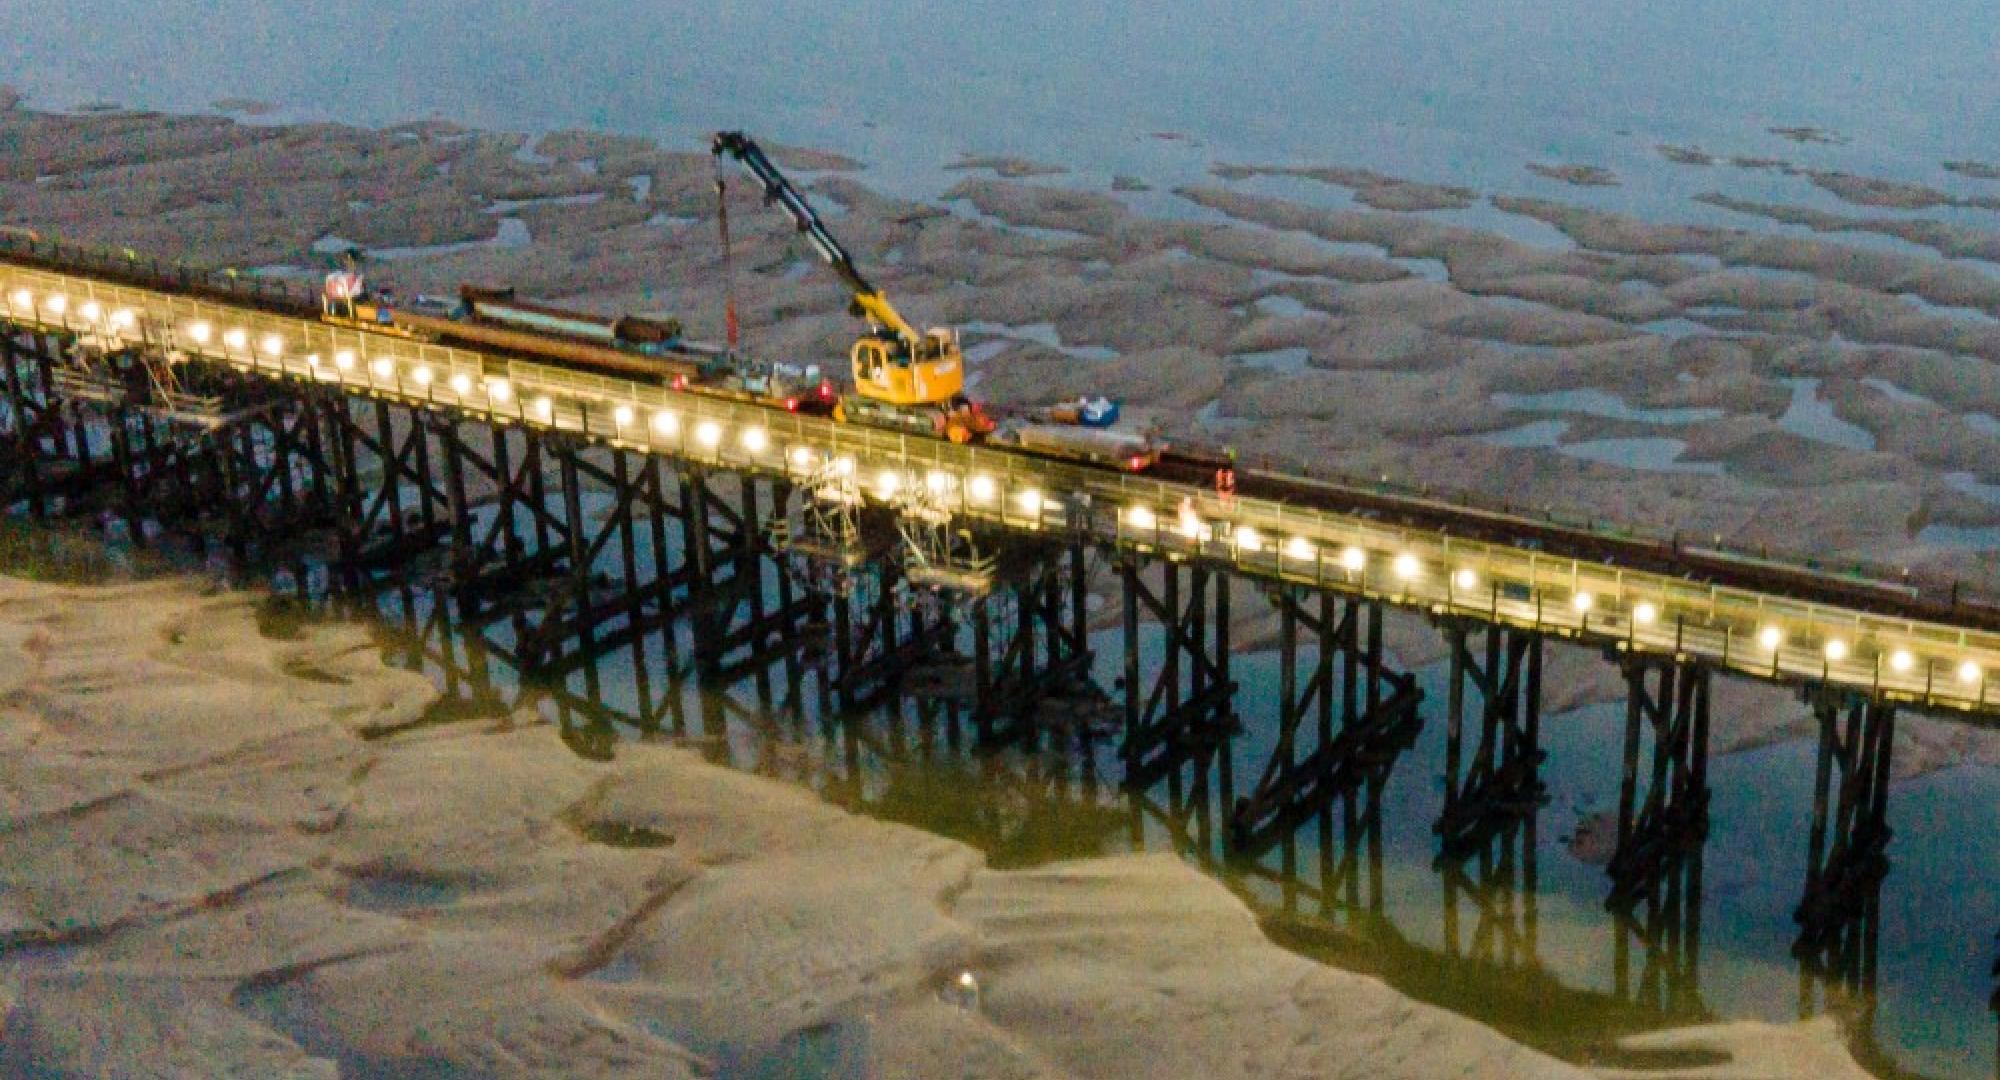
(233, 853)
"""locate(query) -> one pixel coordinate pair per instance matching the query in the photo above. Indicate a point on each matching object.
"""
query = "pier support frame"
(1662, 810)
(398, 509)
(880, 632)
(1030, 639)
(742, 603)
(1318, 760)
(1181, 713)
(46, 453)
(1500, 781)
(1847, 858)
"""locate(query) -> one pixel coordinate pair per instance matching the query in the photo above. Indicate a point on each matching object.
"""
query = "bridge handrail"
(1092, 500)
(127, 265)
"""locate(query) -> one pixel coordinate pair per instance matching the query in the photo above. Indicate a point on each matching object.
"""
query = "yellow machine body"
(887, 371)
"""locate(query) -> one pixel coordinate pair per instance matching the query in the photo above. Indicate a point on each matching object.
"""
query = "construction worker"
(1225, 481)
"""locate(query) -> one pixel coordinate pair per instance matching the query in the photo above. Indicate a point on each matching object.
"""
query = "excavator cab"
(888, 371)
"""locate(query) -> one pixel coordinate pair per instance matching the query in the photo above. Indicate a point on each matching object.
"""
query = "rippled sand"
(223, 853)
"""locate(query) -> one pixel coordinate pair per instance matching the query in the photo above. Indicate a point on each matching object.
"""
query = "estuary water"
(1460, 91)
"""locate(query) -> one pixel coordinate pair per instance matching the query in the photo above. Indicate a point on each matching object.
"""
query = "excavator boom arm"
(867, 298)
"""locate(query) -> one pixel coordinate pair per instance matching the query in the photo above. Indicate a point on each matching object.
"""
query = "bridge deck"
(1848, 633)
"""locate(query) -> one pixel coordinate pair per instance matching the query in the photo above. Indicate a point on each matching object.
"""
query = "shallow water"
(1603, 404)
(1534, 435)
(1286, 361)
(1445, 90)
(1810, 416)
(1966, 537)
(1641, 453)
(1043, 334)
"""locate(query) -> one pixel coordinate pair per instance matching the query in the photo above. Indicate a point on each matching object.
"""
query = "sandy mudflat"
(227, 854)
(1013, 168)
(1579, 175)
(1370, 188)
(1397, 296)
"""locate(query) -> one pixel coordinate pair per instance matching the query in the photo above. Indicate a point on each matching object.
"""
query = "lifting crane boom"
(902, 377)
(869, 301)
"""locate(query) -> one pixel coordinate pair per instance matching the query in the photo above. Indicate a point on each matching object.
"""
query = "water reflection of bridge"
(622, 586)
(1319, 886)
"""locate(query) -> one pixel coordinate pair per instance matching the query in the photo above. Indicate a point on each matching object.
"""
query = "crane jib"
(804, 217)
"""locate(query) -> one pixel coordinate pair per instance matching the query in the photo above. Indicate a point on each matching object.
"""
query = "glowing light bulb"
(1407, 567)
(422, 374)
(887, 482)
(666, 423)
(1901, 661)
(708, 433)
(1189, 524)
(200, 332)
(236, 339)
(312, 361)
(622, 415)
(1248, 540)
(755, 439)
(1969, 673)
(1836, 650)
(383, 367)
(1141, 518)
(273, 345)
(937, 482)
(91, 311)
(1298, 547)
(1644, 613)
(57, 303)
(1583, 602)
(844, 465)
(461, 384)
(123, 319)
(344, 359)
(545, 407)
(23, 298)
(981, 488)
(500, 390)
(1465, 579)
(1353, 559)
(1770, 638)
(803, 457)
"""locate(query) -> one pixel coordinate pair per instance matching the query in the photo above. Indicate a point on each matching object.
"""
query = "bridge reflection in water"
(951, 671)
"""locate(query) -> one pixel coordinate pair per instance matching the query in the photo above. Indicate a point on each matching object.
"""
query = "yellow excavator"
(902, 378)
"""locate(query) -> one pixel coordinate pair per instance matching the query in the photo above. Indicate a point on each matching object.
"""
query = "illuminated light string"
(1406, 566)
